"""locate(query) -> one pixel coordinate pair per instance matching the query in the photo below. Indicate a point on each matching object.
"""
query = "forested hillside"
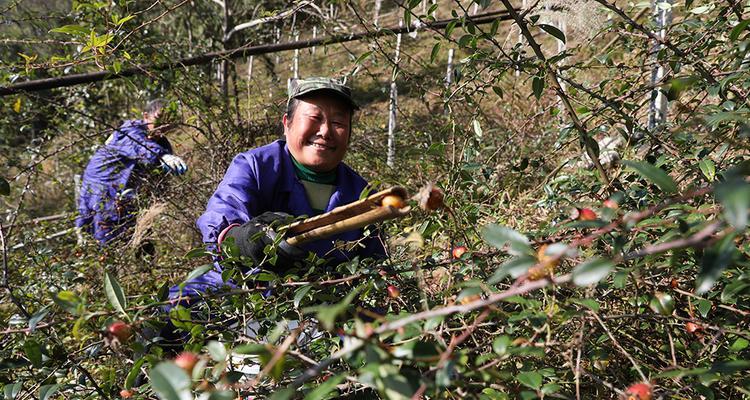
(591, 241)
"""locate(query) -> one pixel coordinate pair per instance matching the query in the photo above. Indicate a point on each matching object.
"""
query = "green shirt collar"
(306, 174)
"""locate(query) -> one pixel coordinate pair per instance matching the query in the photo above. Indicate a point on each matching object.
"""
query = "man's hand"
(173, 164)
(252, 237)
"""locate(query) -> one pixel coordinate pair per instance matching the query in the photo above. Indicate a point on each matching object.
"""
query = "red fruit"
(186, 360)
(586, 214)
(393, 292)
(674, 283)
(458, 251)
(120, 330)
(126, 394)
(609, 203)
(638, 391)
(392, 201)
(692, 327)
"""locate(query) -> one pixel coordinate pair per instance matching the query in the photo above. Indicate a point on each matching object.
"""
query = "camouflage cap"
(300, 87)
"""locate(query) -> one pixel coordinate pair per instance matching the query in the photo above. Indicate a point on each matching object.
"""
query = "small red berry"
(120, 330)
(126, 394)
(692, 327)
(638, 391)
(587, 214)
(609, 203)
(186, 360)
(393, 292)
(458, 251)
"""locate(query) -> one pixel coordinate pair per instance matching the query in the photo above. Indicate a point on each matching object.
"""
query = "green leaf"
(114, 293)
(530, 379)
(592, 271)
(12, 390)
(514, 267)
(662, 303)
(38, 316)
(363, 57)
(75, 30)
(732, 290)
(46, 391)
(4, 187)
(322, 392)
(125, 19)
(715, 260)
(300, 294)
(33, 352)
(327, 314)
(737, 30)
(282, 394)
(130, 379)
(654, 174)
(739, 345)
(196, 252)
(198, 272)
(708, 168)
(500, 344)
(216, 350)
(435, 52)
(537, 86)
(499, 236)
(170, 382)
(734, 195)
(552, 30)
(589, 303)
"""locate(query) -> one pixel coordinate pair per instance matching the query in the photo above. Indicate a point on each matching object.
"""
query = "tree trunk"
(657, 110)
(390, 160)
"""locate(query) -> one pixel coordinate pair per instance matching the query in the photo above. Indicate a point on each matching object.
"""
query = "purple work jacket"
(105, 208)
(264, 179)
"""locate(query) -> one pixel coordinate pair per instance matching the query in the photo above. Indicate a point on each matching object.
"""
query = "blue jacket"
(264, 179)
(103, 209)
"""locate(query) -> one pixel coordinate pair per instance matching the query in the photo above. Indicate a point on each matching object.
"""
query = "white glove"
(173, 164)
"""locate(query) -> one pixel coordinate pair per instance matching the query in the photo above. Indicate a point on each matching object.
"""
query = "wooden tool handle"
(377, 214)
(344, 212)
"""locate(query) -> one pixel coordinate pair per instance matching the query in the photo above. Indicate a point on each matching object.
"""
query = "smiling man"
(301, 175)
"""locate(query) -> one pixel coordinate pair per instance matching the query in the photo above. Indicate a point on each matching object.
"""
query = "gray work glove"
(253, 236)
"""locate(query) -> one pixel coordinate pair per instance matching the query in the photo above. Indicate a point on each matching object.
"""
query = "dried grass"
(146, 220)
(583, 18)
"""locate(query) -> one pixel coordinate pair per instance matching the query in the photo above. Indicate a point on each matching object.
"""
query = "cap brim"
(335, 92)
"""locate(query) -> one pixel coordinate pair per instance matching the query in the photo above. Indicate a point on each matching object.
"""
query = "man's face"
(318, 133)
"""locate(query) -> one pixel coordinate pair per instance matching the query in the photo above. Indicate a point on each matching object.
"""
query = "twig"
(619, 347)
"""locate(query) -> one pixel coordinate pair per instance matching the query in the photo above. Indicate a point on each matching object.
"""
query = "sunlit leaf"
(170, 382)
(592, 271)
(653, 174)
(662, 303)
(515, 267)
(500, 236)
(114, 293)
